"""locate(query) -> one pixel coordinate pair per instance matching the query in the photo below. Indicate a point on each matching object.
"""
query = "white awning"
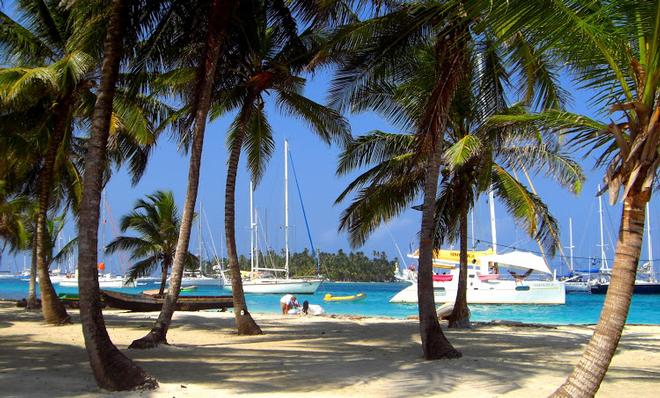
(517, 259)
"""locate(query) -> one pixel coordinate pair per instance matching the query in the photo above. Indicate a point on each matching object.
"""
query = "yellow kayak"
(355, 297)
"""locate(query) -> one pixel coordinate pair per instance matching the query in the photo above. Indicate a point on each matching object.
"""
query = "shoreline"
(493, 322)
(305, 356)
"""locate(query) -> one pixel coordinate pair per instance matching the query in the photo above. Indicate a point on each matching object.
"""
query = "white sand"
(317, 357)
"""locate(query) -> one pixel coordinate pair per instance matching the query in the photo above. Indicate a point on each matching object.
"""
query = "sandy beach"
(317, 357)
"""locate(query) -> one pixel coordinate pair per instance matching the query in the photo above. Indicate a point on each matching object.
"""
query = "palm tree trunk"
(112, 369)
(450, 58)
(434, 343)
(51, 307)
(460, 315)
(32, 286)
(592, 366)
(163, 277)
(220, 15)
(245, 324)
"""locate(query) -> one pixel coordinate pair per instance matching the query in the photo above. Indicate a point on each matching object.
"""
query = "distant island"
(339, 266)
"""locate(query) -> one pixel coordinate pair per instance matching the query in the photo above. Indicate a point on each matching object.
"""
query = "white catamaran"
(271, 280)
(486, 283)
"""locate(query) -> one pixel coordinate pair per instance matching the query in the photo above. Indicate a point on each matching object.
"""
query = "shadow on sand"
(298, 355)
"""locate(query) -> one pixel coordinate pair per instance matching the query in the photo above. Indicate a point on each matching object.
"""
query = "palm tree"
(54, 82)
(12, 227)
(613, 49)
(157, 220)
(223, 74)
(112, 369)
(382, 52)
(273, 68)
(219, 18)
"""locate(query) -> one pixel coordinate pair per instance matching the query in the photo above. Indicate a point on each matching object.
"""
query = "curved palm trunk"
(51, 307)
(592, 366)
(220, 15)
(32, 284)
(434, 343)
(245, 325)
(460, 316)
(112, 369)
(163, 277)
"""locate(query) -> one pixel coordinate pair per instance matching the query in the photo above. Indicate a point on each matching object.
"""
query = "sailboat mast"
(251, 231)
(570, 240)
(649, 244)
(603, 263)
(256, 240)
(493, 228)
(199, 235)
(286, 207)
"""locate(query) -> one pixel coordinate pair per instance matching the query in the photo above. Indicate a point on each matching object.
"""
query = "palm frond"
(527, 209)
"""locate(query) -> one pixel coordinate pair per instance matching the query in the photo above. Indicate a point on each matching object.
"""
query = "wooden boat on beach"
(143, 303)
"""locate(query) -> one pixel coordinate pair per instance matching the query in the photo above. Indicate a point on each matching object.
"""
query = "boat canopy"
(518, 259)
(452, 256)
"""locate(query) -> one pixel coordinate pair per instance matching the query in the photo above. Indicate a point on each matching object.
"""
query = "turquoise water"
(580, 308)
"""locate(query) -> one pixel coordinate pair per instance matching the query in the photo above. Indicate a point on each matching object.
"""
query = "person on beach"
(288, 302)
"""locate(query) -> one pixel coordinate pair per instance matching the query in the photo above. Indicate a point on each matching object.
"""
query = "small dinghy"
(445, 310)
(154, 292)
(355, 297)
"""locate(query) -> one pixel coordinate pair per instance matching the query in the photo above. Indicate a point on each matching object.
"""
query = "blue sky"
(315, 163)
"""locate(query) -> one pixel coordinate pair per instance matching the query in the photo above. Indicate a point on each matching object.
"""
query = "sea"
(580, 308)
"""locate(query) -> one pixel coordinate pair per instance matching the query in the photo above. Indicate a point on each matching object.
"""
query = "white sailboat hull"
(577, 287)
(104, 283)
(280, 286)
(492, 292)
(201, 281)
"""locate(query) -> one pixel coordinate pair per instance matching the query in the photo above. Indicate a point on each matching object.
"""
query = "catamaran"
(272, 280)
(487, 283)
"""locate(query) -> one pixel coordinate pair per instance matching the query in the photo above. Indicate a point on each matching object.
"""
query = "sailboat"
(650, 285)
(199, 279)
(486, 284)
(576, 281)
(581, 280)
(272, 280)
(105, 280)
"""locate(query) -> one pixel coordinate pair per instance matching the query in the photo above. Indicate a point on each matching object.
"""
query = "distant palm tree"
(157, 221)
(12, 226)
(612, 48)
